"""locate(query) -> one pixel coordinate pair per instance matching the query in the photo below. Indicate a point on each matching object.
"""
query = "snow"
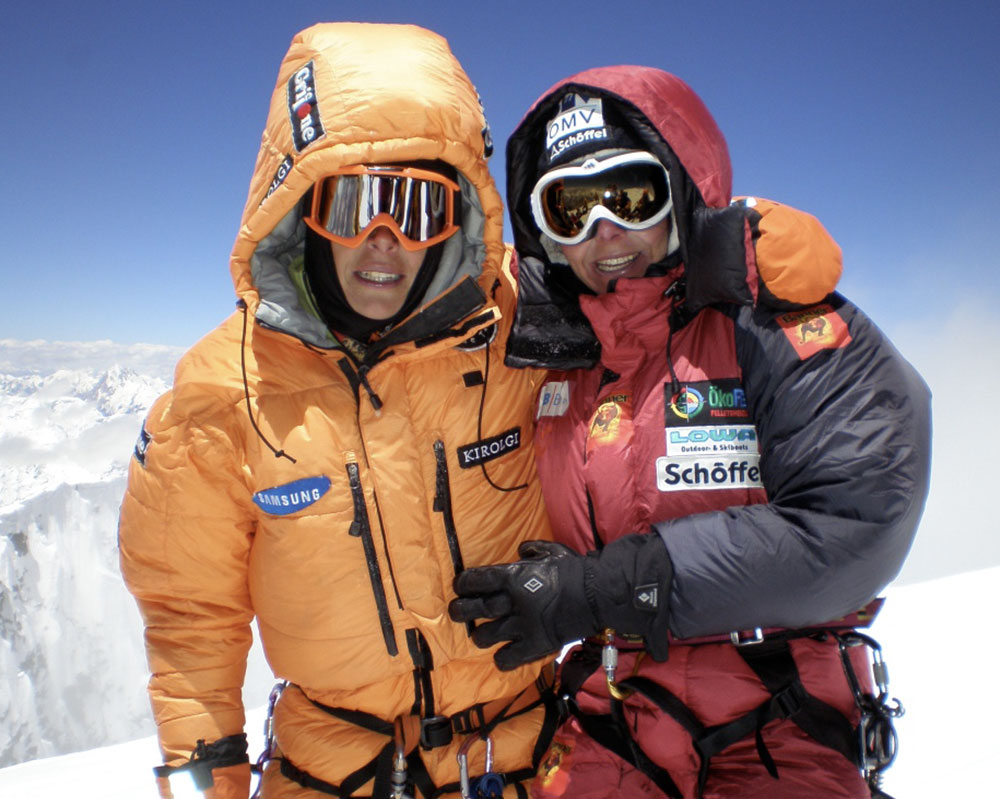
(74, 718)
(940, 667)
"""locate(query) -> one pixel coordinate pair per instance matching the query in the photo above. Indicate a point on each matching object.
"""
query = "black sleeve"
(844, 436)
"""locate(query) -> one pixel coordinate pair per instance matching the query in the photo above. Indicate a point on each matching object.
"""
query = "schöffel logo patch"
(815, 329)
(303, 109)
(553, 400)
(279, 176)
(292, 497)
(580, 119)
(684, 474)
(141, 445)
(705, 402)
(489, 448)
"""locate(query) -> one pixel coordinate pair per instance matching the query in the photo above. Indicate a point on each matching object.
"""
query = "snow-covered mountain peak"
(70, 413)
(69, 417)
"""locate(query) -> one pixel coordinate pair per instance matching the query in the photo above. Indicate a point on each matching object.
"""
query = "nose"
(382, 238)
(607, 230)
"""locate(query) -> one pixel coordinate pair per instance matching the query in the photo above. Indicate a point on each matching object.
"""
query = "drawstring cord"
(479, 426)
(246, 389)
(676, 290)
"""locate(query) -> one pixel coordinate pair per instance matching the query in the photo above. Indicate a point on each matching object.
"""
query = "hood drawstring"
(374, 398)
(246, 388)
(676, 290)
(479, 422)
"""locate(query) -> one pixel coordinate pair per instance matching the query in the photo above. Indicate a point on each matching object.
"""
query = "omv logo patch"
(292, 497)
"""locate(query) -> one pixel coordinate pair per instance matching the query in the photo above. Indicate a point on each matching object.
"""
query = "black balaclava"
(333, 306)
(325, 286)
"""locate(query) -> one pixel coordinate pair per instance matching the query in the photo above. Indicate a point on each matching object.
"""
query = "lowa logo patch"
(292, 497)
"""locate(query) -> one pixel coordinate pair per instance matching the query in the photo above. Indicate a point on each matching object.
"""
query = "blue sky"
(130, 131)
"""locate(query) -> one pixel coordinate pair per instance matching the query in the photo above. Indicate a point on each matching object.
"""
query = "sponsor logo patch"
(646, 597)
(292, 497)
(705, 402)
(711, 440)
(479, 340)
(141, 445)
(580, 119)
(303, 108)
(489, 448)
(554, 770)
(612, 419)
(279, 176)
(684, 474)
(815, 329)
(553, 399)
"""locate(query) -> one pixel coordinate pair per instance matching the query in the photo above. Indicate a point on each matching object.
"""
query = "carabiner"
(609, 659)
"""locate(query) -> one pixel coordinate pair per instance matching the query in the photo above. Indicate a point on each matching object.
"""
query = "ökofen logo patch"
(706, 402)
(292, 497)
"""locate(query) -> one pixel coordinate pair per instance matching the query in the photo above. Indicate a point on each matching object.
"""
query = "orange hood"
(324, 115)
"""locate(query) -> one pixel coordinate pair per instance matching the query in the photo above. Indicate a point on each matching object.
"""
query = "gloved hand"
(555, 596)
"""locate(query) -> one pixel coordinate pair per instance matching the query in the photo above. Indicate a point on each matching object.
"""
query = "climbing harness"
(871, 745)
(398, 770)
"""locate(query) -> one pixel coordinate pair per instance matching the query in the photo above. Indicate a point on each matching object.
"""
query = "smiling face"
(377, 275)
(614, 252)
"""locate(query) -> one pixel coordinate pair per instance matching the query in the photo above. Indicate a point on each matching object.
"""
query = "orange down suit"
(334, 499)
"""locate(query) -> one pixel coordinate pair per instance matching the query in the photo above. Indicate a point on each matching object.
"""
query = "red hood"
(674, 110)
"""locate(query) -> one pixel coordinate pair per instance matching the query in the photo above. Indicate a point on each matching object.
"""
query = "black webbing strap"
(380, 766)
(611, 732)
(774, 665)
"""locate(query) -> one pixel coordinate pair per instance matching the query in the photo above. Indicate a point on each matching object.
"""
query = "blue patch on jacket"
(292, 497)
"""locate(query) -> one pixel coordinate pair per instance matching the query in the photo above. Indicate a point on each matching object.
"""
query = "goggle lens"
(417, 205)
(633, 190)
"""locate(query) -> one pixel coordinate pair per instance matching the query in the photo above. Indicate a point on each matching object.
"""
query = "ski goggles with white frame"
(631, 190)
(417, 205)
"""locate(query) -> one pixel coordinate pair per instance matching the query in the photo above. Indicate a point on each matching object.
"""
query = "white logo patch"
(684, 474)
(711, 440)
(576, 114)
(553, 399)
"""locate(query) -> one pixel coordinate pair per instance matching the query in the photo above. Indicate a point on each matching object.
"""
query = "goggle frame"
(590, 168)
(385, 219)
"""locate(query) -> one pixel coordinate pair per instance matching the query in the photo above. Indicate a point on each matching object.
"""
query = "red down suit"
(736, 406)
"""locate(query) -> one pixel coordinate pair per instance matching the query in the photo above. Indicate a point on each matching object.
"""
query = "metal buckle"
(738, 640)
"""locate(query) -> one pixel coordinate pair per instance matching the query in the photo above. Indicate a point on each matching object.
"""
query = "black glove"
(555, 596)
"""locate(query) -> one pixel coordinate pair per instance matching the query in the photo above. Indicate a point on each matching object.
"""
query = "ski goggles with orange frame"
(417, 205)
(632, 190)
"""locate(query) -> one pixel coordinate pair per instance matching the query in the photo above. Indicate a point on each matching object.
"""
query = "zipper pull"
(372, 396)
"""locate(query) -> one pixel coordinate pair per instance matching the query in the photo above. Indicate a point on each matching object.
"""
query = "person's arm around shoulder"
(843, 424)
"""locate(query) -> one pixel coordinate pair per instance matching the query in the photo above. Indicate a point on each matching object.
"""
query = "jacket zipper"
(442, 505)
(361, 527)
